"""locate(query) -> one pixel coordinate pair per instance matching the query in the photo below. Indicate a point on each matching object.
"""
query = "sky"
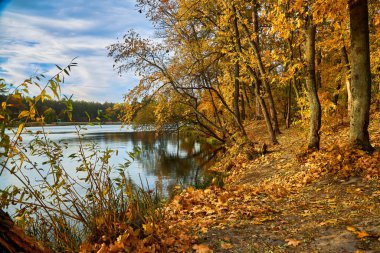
(37, 34)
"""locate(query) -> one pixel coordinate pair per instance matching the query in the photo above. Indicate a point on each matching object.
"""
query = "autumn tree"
(360, 74)
(311, 86)
(194, 60)
(220, 61)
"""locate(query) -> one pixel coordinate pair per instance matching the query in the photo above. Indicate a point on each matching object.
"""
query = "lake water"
(163, 159)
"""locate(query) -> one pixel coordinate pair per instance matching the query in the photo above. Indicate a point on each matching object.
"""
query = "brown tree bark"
(360, 75)
(265, 112)
(347, 68)
(238, 49)
(262, 70)
(289, 106)
(255, 44)
(261, 102)
(247, 101)
(237, 92)
(318, 72)
(13, 238)
(311, 87)
(296, 92)
(258, 111)
(242, 106)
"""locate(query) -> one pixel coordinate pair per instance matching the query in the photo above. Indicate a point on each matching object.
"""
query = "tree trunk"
(296, 92)
(346, 63)
(247, 101)
(265, 112)
(360, 75)
(13, 239)
(237, 74)
(242, 106)
(289, 105)
(263, 75)
(237, 92)
(258, 112)
(318, 72)
(311, 87)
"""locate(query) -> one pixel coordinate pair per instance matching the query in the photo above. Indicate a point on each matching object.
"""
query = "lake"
(165, 160)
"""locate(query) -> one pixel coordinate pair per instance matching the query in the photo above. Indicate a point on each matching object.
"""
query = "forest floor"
(289, 200)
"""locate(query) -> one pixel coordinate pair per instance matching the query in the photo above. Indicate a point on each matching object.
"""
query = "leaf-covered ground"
(288, 200)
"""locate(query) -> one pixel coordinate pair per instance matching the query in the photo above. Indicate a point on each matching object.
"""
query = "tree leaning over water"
(221, 61)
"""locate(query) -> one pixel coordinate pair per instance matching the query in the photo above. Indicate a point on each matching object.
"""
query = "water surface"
(165, 160)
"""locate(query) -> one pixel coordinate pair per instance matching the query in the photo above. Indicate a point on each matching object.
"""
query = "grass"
(63, 211)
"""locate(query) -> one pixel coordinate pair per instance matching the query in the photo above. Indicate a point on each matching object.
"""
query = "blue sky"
(37, 34)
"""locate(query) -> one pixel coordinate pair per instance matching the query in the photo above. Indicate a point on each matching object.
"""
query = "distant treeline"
(56, 111)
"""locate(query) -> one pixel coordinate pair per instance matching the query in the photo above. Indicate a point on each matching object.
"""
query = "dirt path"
(311, 209)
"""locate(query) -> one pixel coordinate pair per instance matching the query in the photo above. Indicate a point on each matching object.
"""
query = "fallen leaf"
(204, 230)
(328, 222)
(226, 245)
(293, 242)
(226, 239)
(202, 248)
(351, 228)
(362, 234)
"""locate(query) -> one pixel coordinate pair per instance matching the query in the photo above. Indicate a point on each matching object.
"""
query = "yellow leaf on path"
(328, 222)
(204, 230)
(292, 242)
(362, 234)
(202, 248)
(226, 239)
(226, 246)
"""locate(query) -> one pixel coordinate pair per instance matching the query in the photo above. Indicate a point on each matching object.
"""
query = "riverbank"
(33, 124)
(288, 200)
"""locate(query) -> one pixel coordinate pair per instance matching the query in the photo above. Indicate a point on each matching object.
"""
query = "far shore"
(31, 124)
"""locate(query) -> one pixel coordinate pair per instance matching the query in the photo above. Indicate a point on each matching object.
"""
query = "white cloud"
(31, 40)
(52, 23)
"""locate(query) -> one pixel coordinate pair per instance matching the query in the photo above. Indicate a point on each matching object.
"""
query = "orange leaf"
(202, 248)
(226, 246)
(293, 242)
(362, 234)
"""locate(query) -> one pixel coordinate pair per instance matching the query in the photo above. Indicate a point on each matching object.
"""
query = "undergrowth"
(64, 211)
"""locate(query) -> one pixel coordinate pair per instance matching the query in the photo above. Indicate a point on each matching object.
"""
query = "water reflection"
(165, 160)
